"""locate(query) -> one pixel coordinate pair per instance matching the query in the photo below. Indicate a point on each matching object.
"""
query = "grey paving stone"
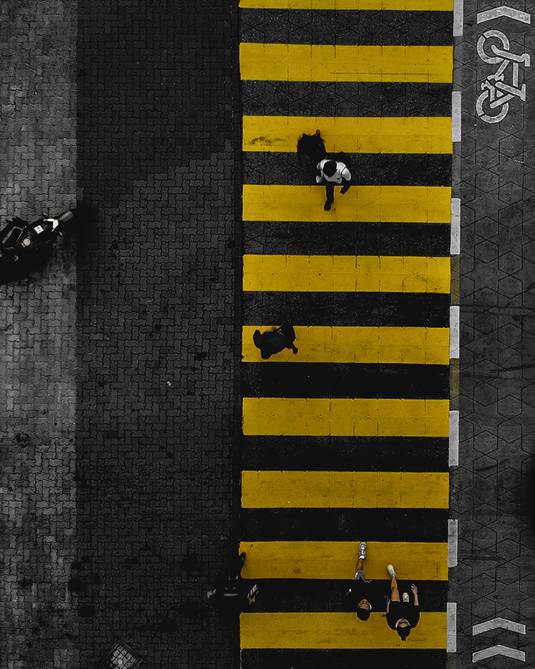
(118, 497)
(155, 309)
(37, 340)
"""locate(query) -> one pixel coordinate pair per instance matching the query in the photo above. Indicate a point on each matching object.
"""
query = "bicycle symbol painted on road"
(492, 106)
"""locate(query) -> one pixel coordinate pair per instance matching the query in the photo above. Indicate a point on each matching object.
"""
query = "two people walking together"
(402, 614)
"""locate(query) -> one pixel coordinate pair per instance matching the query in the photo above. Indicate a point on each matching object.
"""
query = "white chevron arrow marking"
(496, 623)
(499, 650)
(514, 14)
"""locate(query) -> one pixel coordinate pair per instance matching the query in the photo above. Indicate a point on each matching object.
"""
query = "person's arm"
(347, 185)
(414, 590)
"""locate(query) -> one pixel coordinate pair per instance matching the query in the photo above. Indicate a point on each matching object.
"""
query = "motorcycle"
(22, 241)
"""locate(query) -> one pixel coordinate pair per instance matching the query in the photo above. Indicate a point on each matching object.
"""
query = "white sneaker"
(391, 571)
(362, 550)
(252, 594)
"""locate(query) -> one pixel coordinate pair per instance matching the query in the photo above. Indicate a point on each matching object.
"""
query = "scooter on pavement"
(21, 241)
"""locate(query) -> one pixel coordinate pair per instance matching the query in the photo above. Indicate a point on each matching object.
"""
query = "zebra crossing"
(348, 439)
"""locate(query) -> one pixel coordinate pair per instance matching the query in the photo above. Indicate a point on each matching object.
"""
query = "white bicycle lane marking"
(492, 105)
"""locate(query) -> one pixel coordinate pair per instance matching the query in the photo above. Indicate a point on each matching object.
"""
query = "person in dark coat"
(359, 591)
(274, 341)
(401, 616)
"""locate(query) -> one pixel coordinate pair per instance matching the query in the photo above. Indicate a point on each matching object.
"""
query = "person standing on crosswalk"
(330, 173)
(358, 590)
(401, 616)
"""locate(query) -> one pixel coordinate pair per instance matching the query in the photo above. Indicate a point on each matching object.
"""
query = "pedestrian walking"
(332, 172)
(274, 341)
(358, 591)
(401, 615)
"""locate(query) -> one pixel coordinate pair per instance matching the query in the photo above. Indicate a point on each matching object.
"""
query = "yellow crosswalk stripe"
(315, 62)
(343, 490)
(363, 274)
(341, 417)
(396, 5)
(388, 345)
(400, 204)
(416, 134)
(337, 631)
(419, 561)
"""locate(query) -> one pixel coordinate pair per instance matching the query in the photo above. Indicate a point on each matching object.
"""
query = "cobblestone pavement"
(118, 399)
(156, 394)
(492, 488)
(37, 340)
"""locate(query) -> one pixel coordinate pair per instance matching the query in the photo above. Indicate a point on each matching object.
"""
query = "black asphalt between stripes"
(410, 454)
(385, 239)
(370, 169)
(344, 524)
(332, 595)
(318, 379)
(385, 27)
(364, 309)
(343, 659)
(296, 98)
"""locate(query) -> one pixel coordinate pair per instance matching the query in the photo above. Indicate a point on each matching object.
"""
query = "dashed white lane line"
(455, 232)
(451, 608)
(458, 17)
(454, 332)
(454, 439)
(456, 116)
(453, 535)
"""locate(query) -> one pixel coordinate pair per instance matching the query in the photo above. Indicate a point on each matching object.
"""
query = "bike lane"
(346, 440)
(492, 493)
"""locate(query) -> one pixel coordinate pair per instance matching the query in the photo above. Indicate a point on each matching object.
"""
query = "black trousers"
(329, 187)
